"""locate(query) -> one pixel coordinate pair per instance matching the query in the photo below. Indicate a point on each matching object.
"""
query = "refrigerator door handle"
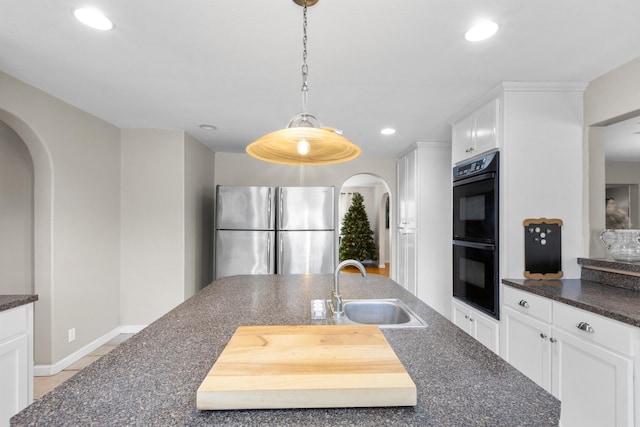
(280, 205)
(269, 205)
(269, 253)
(280, 252)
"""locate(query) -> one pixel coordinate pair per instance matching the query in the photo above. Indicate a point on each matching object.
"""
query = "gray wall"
(199, 212)
(76, 159)
(119, 229)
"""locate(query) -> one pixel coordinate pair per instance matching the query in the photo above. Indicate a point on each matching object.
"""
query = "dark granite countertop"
(610, 264)
(152, 378)
(610, 301)
(12, 301)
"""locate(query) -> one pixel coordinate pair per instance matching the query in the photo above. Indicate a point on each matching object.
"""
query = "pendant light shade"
(304, 141)
(304, 146)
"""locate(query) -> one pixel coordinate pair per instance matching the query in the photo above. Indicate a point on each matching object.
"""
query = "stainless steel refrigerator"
(245, 230)
(305, 230)
(249, 240)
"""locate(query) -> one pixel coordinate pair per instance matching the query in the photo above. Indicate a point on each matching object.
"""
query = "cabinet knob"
(470, 319)
(523, 303)
(584, 326)
(553, 340)
(466, 316)
(543, 336)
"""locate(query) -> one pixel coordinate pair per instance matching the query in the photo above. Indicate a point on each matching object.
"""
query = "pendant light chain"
(305, 67)
(304, 141)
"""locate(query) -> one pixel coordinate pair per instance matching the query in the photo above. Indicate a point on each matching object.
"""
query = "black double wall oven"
(475, 233)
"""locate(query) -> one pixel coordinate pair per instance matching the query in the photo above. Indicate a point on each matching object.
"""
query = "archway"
(16, 214)
(378, 203)
(42, 233)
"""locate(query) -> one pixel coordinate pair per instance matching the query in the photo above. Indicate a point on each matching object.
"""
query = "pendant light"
(304, 141)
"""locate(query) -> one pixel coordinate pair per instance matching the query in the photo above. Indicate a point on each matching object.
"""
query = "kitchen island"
(152, 378)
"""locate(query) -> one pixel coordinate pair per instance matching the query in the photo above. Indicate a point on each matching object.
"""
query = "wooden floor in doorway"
(371, 269)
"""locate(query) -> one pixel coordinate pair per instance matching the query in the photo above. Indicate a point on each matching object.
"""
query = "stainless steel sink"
(386, 313)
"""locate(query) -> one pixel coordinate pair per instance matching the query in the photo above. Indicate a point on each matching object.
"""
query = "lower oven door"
(475, 274)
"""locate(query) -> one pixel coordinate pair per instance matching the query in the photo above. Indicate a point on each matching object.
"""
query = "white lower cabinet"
(585, 360)
(594, 385)
(527, 346)
(480, 326)
(16, 361)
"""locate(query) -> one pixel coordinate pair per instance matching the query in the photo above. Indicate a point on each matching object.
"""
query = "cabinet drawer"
(593, 327)
(13, 322)
(527, 303)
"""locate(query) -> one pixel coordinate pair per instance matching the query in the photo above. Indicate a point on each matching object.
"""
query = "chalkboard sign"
(542, 248)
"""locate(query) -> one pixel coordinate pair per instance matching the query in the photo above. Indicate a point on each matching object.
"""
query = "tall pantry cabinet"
(423, 223)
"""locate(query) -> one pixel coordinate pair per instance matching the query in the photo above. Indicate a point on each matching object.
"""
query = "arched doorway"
(16, 214)
(377, 200)
(42, 232)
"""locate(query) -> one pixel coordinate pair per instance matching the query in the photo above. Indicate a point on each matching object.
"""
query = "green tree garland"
(357, 237)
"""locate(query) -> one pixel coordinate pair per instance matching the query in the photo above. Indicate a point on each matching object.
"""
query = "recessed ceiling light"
(208, 127)
(93, 18)
(388, 131)
(481, 31)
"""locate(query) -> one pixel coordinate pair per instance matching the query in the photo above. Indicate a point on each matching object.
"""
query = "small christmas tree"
(357, 237)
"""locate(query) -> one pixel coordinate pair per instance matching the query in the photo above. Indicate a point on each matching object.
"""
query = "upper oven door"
(475, 210)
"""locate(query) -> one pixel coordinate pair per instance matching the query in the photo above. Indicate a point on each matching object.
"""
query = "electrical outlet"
(72, 334)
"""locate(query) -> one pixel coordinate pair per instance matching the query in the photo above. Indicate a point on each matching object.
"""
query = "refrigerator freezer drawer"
(244, 252)
(306, 252)
(245, 208)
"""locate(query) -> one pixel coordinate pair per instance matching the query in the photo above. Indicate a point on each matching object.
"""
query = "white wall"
(199, 212)
(541, 164)
(610, 98)
(153, 220)
(76, 160)
(16, 214)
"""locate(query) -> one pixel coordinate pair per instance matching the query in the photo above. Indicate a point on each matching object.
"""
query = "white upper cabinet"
(477, 132)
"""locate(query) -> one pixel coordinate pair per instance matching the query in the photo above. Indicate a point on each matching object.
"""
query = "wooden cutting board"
(307, 366)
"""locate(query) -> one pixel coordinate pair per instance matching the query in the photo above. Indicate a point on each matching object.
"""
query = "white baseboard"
(131, 329)
(47, 370)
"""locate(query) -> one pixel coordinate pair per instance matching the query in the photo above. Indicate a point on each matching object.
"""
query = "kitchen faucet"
(336, 299)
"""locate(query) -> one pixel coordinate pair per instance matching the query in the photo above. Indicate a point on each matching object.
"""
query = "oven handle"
(472, 179)
(485, 246)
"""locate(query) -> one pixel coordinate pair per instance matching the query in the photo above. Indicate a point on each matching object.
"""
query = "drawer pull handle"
(543, 336)
(523, 303)
(584, 326)
(553, 340)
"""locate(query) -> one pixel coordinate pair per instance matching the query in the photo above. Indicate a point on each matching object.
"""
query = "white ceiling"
(372, 63)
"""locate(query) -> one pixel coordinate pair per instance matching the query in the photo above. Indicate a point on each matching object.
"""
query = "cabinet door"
(525, 345)
(14, 377)
(485, 331)
(594, 385)
(463, 145)
(407, 259)
(486, 127)
(460, 316)
(407, 190)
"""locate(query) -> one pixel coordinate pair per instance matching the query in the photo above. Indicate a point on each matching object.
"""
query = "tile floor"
(43, 385)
